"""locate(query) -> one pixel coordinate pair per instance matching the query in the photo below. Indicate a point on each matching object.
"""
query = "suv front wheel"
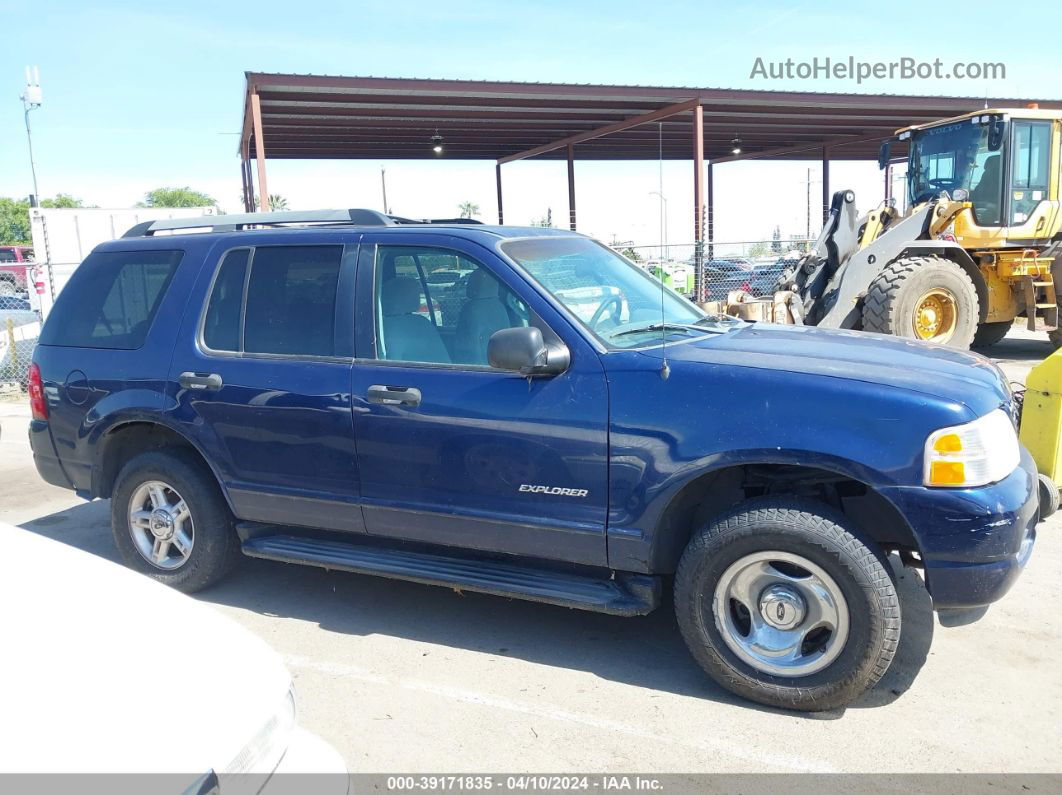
(782, 603)
(171, 522)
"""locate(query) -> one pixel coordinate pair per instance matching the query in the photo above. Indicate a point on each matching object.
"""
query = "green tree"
(176, 197)
(760, 249)
(64, 200)
(776, 241)
(14, 222)
(631, 254)
(468, 209)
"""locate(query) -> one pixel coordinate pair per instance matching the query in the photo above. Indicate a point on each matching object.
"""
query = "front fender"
(666, 435)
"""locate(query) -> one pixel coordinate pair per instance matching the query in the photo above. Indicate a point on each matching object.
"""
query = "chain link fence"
(20, 325)
(750, 265)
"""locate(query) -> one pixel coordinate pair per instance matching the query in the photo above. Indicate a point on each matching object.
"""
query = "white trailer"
(62, 238)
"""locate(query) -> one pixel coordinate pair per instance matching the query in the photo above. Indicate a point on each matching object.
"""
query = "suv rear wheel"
(171, 522)
(782, 603)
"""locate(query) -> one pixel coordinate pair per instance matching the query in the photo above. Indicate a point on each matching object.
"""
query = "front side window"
(1031, 168)
(957, 156)
(275, 299)
(111, 300)
(437, 306)
(621, 305)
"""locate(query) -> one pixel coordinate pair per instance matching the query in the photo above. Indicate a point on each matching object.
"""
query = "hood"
(956, 376)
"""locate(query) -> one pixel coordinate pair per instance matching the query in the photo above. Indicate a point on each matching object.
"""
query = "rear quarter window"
(111, 300)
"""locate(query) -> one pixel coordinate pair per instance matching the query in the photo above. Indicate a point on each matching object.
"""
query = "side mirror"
(883, 153)
(523, 350)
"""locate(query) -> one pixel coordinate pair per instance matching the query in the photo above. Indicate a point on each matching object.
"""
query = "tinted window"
(437, 306)
(111, 300)
(221, 327)
(7, 255)
(291, 300)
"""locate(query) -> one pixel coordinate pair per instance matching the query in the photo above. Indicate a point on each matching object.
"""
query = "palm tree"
(276, 202)
(468, 209)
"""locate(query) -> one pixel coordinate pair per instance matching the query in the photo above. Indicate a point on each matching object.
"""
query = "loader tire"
(988, 334)
(924, 298)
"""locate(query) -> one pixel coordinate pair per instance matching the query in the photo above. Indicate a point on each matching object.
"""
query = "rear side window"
(111, 300)
(285, 305)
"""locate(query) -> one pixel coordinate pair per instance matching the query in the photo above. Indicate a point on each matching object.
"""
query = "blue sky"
(139, 95)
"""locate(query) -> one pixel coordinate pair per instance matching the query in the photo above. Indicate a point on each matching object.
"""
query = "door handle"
(206, 381)
(394, 395)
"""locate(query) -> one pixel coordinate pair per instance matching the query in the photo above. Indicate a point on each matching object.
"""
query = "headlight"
(979, 452)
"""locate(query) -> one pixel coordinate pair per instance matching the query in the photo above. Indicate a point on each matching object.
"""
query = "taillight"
(38, 405)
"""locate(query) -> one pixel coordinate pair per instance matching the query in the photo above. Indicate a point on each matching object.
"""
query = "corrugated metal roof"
(331, 116)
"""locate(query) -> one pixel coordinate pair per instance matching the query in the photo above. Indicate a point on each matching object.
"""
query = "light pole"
(31, 100)
(665, 252)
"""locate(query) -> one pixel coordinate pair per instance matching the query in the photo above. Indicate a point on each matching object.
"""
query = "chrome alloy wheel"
(781, 613)
(161, 525)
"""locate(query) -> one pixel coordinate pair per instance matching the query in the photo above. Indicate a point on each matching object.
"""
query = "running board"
(624, 594)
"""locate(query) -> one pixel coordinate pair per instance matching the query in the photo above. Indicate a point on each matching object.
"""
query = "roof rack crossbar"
(229, 223)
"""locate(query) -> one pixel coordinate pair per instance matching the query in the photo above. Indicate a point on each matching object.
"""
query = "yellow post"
(1041, 419)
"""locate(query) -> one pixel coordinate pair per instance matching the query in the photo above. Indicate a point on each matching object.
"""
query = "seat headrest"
(482, 285)
(400, 296)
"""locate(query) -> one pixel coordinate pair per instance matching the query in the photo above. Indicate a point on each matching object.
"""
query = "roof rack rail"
(230, 223)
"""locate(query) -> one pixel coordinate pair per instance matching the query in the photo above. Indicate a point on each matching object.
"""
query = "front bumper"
(974, 542)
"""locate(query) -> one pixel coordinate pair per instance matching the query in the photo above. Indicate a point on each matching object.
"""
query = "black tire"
(818, 534)
(1049, 496)
(215, 549)
(989, 334)
(891, 300)
(1055, 336)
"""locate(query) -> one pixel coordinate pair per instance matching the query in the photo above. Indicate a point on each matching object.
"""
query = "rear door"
(261, 377)
(452, 451)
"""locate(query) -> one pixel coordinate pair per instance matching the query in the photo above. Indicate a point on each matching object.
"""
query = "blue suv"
(523, 412)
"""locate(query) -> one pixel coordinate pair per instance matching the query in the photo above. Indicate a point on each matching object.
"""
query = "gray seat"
(482, 315)
(407, 336)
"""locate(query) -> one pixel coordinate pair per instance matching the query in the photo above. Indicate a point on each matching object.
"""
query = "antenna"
(665, 370)
(31, 100)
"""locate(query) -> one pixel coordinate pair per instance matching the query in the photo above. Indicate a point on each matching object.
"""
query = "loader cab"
(1000, 162)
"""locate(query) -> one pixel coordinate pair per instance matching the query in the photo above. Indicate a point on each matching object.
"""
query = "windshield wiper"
(656, 327)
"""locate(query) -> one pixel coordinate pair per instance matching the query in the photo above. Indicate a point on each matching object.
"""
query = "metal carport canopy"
(289, 116)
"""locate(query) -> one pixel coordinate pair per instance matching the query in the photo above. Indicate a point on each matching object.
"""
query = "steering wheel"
(600, 311)
(944, 183)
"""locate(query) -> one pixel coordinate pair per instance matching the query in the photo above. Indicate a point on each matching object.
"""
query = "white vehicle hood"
(106, 670)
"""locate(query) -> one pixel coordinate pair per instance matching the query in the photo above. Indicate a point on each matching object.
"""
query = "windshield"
(957, 156)
(617, 301)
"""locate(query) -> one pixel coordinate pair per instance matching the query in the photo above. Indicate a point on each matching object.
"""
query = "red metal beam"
(259, 153)
(663, 113)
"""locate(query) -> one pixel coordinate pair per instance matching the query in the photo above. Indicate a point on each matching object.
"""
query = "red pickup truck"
(14, 267)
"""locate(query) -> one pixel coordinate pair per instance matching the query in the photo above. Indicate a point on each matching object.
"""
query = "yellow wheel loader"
(980, 245)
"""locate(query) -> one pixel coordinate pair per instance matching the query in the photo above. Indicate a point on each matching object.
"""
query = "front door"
(262, 379)
(452, 451)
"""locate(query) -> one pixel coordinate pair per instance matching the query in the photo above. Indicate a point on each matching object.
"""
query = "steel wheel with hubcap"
(160, 524)
(781, 613)
(783, 601)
